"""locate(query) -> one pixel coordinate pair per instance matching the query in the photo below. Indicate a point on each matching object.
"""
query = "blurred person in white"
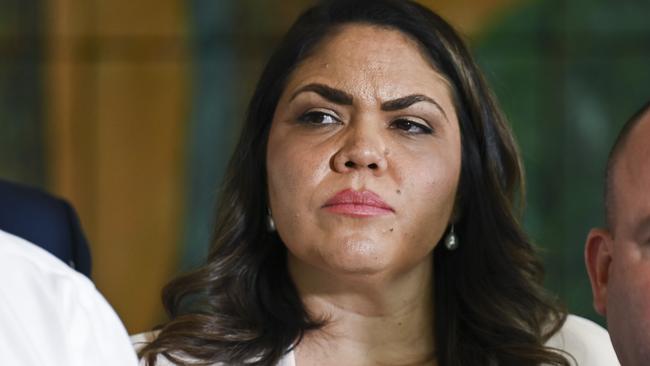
(618, 256)
(52, 315)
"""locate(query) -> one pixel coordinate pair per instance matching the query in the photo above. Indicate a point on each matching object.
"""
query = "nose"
(363, 149)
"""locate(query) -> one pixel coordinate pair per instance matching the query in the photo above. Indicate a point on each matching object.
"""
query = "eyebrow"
(340, 97)
(407, 101)
(331, 94)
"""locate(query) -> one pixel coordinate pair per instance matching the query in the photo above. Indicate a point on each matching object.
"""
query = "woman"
(367, 216)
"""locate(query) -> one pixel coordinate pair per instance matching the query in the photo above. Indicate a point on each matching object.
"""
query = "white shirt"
(586, 341)
(53, 315)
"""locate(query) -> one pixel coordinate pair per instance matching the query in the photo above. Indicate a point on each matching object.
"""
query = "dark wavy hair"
(241, 306)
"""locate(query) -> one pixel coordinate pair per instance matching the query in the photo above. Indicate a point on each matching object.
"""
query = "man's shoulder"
(587, 342)
(44, 302)
(30, 275)
(29, 200)
(30, 260)
(46, 220)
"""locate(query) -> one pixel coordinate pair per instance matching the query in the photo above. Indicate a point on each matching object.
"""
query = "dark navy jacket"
(46, 221)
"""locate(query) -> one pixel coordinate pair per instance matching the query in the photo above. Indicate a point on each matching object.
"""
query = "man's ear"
(598, 258)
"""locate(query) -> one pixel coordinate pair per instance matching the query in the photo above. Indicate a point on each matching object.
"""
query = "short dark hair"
(490, 305)
(614, 154)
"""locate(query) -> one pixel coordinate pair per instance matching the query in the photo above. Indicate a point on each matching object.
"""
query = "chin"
(363, 257)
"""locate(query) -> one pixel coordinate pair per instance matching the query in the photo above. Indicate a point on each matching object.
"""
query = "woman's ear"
(598, 258)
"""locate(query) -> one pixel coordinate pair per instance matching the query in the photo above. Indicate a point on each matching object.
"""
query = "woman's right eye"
(318, 118)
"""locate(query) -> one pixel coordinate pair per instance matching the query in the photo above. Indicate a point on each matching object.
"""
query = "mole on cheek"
(398, 191)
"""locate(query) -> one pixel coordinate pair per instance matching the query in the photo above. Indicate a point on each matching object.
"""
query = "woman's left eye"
(411, 127)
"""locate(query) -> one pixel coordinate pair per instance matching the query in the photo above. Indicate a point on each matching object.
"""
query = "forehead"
(358, 40)
(632, 171)
(380, 59)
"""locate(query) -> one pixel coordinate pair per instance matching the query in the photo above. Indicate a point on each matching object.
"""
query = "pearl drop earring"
(270, 224)
(451, 240)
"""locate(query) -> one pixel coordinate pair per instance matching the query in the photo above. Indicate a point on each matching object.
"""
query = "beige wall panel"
(117, 105)
(142, 112)
(140, 17)
(66, 103)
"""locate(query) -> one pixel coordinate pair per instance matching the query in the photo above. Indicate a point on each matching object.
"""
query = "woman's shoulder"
(586, 341)
(142, 339)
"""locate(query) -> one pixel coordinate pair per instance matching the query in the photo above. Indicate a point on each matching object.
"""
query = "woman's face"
(364, 155)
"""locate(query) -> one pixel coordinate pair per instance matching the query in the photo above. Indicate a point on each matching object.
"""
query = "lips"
(358, 204)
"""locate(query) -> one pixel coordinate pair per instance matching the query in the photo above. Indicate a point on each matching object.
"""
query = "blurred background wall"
(129, 109)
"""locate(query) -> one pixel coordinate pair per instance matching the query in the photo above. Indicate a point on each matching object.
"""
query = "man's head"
(618, 257)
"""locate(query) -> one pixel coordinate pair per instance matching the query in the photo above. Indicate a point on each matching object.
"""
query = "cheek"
(293, 173)
(429, 195)
(431, 186)
(629, 296)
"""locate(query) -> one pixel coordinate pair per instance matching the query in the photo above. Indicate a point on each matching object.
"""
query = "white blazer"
(586, 341)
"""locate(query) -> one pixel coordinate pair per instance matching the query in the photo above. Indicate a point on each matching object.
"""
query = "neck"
(370, 319)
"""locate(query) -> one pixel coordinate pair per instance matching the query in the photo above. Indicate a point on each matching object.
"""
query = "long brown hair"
(241, 306)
